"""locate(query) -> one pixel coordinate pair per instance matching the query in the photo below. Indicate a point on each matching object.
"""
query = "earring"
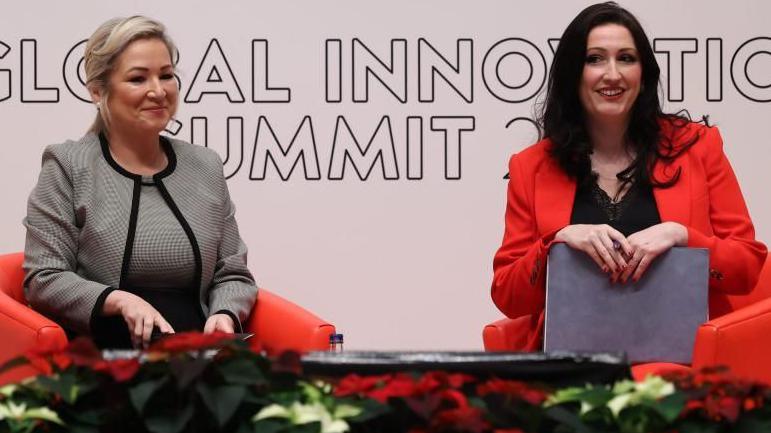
(98, 106)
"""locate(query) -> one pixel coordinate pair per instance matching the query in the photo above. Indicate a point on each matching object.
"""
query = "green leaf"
(222, 401)
(371, 409)
(168, 422)
(141, 393)
(699, 426)
(186, 370)
(269, 426)
(241, 372)
(85, 420)
(286, 398)
(596, 396)
(752, 424)
(65, 385)
(670, 406)
(589, 397)
(568, 418)
(82, 429)
(640, 419)
(311, 427)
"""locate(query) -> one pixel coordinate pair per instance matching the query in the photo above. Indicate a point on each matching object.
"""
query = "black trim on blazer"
(99, 306)
(236, 323)
(132, 229)
(168, 149)
(190, 235)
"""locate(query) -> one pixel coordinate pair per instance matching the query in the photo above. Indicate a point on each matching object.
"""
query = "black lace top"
(635, 211)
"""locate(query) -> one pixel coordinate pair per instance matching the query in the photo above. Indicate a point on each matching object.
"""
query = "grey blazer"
(81, 220)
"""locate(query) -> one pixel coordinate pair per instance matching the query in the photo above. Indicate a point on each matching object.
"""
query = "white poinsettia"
(332, 420)
(298, 413)
(622, 395)
(8, 390)
(628, 393)
(19, 412)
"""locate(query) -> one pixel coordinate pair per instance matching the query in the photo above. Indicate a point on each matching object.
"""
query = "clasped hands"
(620, 256)
(141, 317)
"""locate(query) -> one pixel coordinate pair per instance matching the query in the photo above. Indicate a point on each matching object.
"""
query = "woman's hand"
(218, 322)
(139, 315)
(651, 242)
(604, 244)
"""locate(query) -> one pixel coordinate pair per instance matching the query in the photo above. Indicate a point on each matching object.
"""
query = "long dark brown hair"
(562, 119)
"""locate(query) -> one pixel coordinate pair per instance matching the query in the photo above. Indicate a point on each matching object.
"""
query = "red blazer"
(706, 199)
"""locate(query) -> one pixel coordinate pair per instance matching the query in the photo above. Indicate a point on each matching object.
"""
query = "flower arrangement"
(212, 383)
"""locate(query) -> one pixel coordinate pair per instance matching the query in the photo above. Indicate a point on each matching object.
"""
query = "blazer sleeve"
(735, 256)
(51, 284)
(519, 265)
(233, 290)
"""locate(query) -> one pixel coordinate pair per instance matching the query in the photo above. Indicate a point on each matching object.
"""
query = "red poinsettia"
(122, 370)
(383, 387)
(46, 355)
(189, 341)
(723, 407)
(398, 385)
(433, 380)
(353, 384)
(512, 389)
(716, 394)
(84, 352)
(465, 419)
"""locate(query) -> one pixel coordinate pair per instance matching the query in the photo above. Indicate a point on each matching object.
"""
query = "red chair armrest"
(507, 334)
(22, 329)
(738, 340)
(12, 275)
(279, 325)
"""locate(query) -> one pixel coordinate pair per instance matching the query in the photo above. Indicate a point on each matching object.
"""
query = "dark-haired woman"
(616, 177)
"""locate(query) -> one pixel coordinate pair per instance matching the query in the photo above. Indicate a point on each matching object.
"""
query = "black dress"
(160, 268)
(634, 212)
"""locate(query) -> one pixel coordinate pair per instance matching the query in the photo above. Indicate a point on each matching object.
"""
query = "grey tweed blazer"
(81, 219)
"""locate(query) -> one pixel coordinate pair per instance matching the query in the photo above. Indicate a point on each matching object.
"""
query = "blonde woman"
(129, 231)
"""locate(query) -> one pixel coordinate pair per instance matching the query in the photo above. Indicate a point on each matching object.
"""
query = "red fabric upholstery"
(507, 334)
(641, 371)
(280, 325)
(277, 324)
(738, 339)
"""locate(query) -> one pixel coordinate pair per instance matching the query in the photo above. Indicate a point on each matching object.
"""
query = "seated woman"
(616, 177)
(128, 230)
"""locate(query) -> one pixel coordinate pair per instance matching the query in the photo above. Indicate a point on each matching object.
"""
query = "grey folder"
(654, 319)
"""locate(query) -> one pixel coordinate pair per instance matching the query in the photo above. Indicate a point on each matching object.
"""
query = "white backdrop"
(402, 258)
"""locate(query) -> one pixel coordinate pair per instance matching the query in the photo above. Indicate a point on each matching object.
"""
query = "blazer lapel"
(554, 196)
(674, 203)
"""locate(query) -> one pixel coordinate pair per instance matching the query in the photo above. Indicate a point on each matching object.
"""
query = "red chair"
(276, 323)
(738, 339)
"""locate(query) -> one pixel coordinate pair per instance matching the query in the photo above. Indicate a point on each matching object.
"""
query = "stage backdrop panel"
(366, 143)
